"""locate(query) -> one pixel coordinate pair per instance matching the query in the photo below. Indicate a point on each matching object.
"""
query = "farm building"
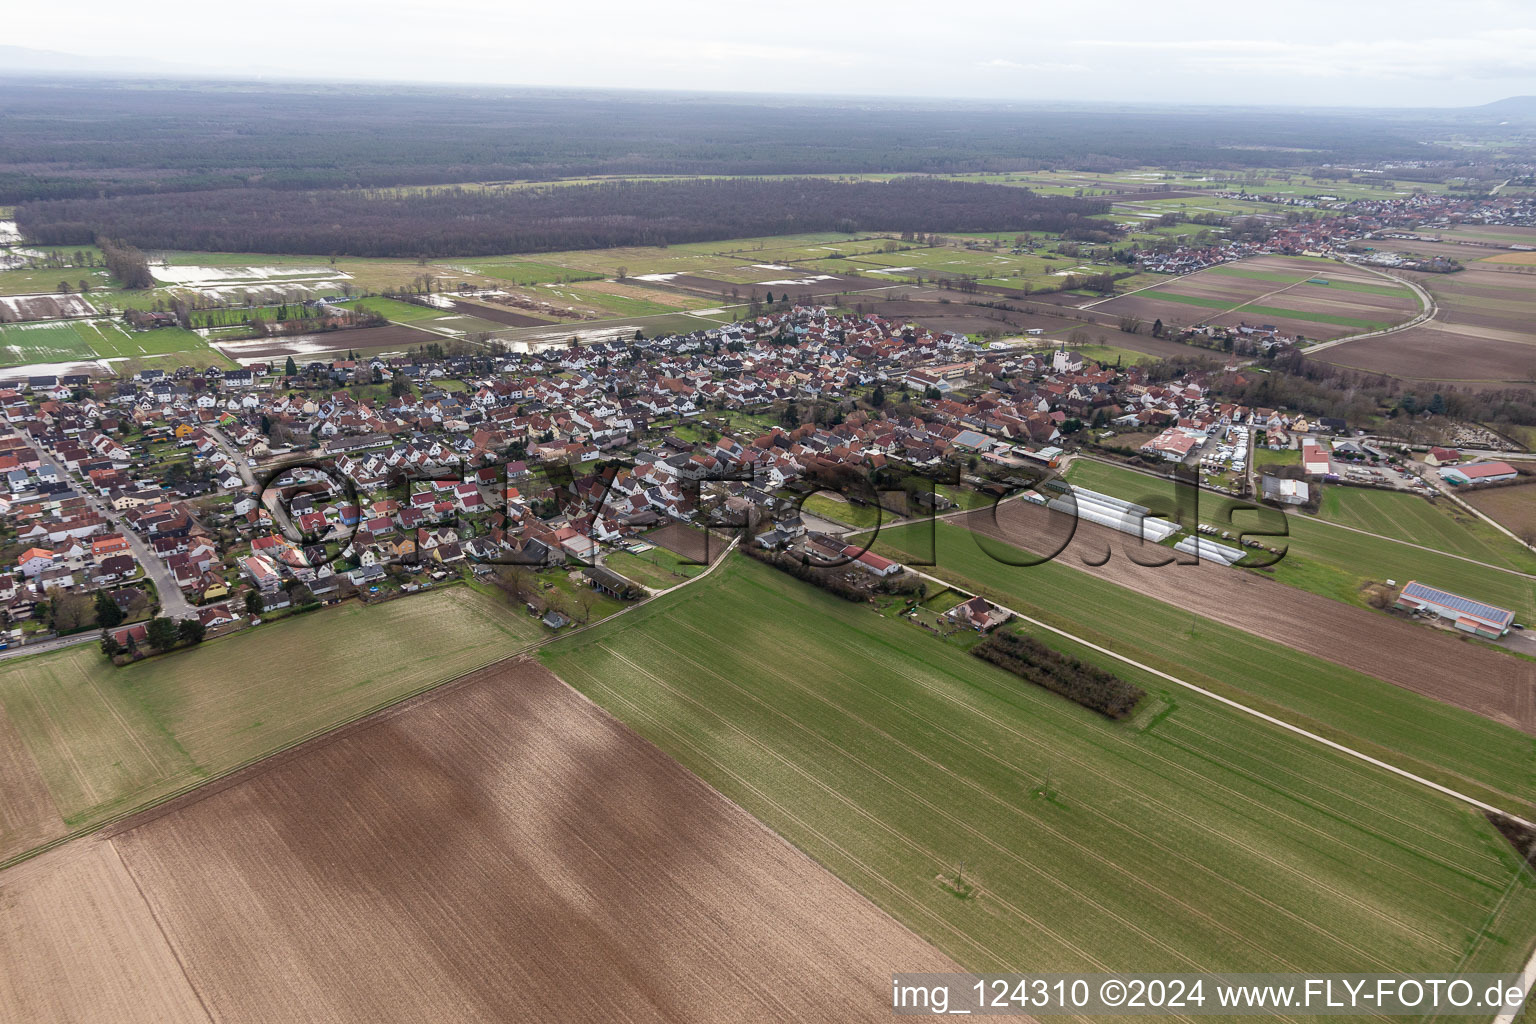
(1172, 444)
(1466, 614)
(1314, 460)
(871, 562)
(1442, 456)
(609, 582)
(1286, 492)
(1478, 473)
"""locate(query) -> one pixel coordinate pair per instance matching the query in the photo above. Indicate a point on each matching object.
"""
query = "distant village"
(1370, 230)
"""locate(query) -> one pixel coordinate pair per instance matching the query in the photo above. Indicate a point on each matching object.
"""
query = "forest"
(461, 222)
(88, 138)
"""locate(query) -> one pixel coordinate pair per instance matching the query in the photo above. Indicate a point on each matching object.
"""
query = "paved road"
(1427, 311)
(229, 449)
(272, 504)
(44, 646)
(173, 602)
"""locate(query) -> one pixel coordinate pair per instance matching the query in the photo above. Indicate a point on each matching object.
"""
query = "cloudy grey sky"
(1305, 52)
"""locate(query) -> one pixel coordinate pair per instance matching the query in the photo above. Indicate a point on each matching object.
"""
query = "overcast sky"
(1339, 52)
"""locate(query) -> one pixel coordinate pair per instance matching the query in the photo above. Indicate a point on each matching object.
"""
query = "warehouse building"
(1466, 614)
(1478, 473)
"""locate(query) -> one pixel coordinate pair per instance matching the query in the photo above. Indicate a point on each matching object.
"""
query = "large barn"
(1479, 473)
(1466, 614)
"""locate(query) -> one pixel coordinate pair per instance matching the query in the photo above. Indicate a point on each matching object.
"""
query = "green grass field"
(400, 312)
(524, 272)
(1439, 525)
(1111, 355)
(827, 507)
(1191, 838)
(657, 568)
(1269, 457)
(1274, 311)
(622, 305)
(65, 340)
(1336, 563)
(1454, 747)
(108, 740)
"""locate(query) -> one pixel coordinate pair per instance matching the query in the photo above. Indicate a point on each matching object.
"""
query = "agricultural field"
(523, 272)
(106, 740)
(1337, 563)
(510, 851)
(43, 307)
(1441, 525)
(46, 280)
(1447, 710)
(1513, 508)
(997, 267)
(984, 813)
(1480, 332)
(303, 347)
(1285, 291)
(736, 260)
(56, 341)
(80, 944)
(1489, 234)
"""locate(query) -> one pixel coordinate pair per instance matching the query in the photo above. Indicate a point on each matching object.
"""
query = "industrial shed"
(1464, 613)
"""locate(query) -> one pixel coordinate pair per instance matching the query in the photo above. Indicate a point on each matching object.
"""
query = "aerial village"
(170, 507)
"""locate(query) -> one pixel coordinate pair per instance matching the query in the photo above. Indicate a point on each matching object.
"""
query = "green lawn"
(1111, 355)
(1336, 563)
(657, 568)
(1263, 456)
(847, 512)
(1192, 838)
(1454, 747)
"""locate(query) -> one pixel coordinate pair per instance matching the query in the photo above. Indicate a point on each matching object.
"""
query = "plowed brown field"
(1413, 656)
(1481, 332)
(501, 850)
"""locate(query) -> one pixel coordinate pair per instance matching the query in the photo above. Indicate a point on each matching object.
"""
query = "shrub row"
(1091, 687)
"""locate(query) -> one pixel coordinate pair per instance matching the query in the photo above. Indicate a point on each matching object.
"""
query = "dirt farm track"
(498, 850)
(1427, 661)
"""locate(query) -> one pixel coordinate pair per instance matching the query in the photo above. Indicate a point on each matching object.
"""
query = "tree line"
(462, 222)
(1302, 384)
(123, 262)
(1084, 684)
